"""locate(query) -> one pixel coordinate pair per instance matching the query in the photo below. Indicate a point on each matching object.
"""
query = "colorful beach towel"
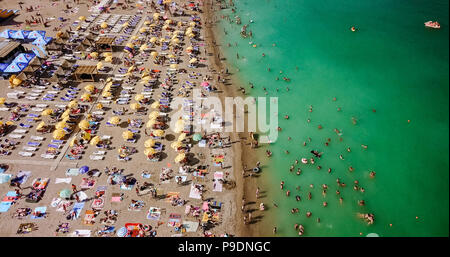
(195, 193)
(39, 213)
(154, 213)
(63, 180)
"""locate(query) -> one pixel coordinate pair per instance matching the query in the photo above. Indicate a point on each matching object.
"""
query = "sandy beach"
(226, 217)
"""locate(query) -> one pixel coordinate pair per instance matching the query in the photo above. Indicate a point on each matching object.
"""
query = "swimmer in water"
(372, 174)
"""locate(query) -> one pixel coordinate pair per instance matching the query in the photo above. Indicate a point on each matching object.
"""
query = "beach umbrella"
(95, 140)
(139, 97)
(135, 106)
(60, 125)
(9, 123)
(165, 27)
(155, 105)
(105, 54)
(150, 123)
(125, 24)
(168, 22)
(158, 133)
(147, 22)
(83, 169)
(179, 24)
(114, 120)
(89, 88)
(182, 137)
(65, 193)
(153, 114)
(99, 65)
(179, 126)
(192, 24)
(59, 134)
(108, 59)
(154, 54)
(65, 119)
(106, 94)
(84, 125)
(66, 113)
(73, 104)
(153, 40)
(188, 31)
(149, 143)
(171, 56)
(193, 60)
(149, 151)
(2, 100)
(143, 29)
(197, 137)
(130, 45)
(134, 37)
(99, 106)
(189, 49)
(94, 55)
(156, 16)
(82, 18)
(143, 47)
(87, 136)
(16, 81)
(180, 158)
(175, 145)
(104, 25)
(173, 66)
(121, 232)
(175, 41)
(86, 97)
(205, 84)
(46, 112)
(191, 35)
(127, 135)
(131, 69)
(40, 125)
(73, 141)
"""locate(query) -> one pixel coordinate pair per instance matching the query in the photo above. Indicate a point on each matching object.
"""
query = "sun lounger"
(72, 172)
(37, 138)
(35, 144)
(25, 154)
(25, 125)
(48, 156)
(29, 148)
(96, 157)
(54, 146)
(15, 136)
(99, 153)
(36, 109)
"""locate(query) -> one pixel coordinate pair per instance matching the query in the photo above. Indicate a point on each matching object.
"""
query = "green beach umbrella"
(197, 137)
(65, 193)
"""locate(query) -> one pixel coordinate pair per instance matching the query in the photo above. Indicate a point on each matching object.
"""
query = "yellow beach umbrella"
(60, 125)
(106, 54)
(108, 59)
(67, 118)
(153, 114)
(143, 29)
(106, 94)
(149, 151)
(179, 24)
(156, 16)
(95, 140)
(114, 120)
(40, 125)
(131, 69)
(82, 18)
(47, 112)
(173, 66)
(175, 41)
(128, 74)
(73, 104)
(177, 144)
(87, 136)
(66, 113)
(86, 97)
(2, 100)
(127, 135)
(180, 158)
(139, 97)
(150, 123)
(192, 24)
(59, 134)
(189, 49)
(168, 22)
(94, 54)
(72, 142)
(134, 37)
(149, 143)
(99, 106)
(104, 25)
(125, 24)
(179, 126)
(193, 60)
(165, 27)
(9, 123)
(162, 40)
(154, 54)
(143, 47)
(153, 40)
(147, 22)
(130, 45)
(158, 133)
(99, 65)
(135, 106)
(171, 56)
(84, 125)
(89, 88)
(191, 35)
(182, 137)
(155, 105)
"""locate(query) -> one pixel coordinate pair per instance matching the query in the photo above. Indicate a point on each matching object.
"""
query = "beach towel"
(41, 210)
(217, 184)
(25, 228)
(116, 198)
(154, 213)
(62, 204)
(40, 183)
(4, 206)
(183, 178)
(23, 176)
(89, 217)
(81, 233)
(4, 178)
(77, 209)
(72, 172)
(63, 180)
(98, 203)
(82, 195)
(87, 183)
(125, 187)
(190, 226)
(171, 195)
(174, 218)
(137, 206)
(55, 202)
(194, 193)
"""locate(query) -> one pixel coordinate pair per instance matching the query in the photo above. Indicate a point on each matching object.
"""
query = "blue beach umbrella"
(84, 169)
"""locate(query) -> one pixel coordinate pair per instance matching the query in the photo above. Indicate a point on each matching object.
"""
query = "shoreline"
(244, 187)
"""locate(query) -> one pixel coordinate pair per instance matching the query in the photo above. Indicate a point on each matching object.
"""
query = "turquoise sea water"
(392, 64)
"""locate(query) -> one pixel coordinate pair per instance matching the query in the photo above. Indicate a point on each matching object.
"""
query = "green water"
(392, 64)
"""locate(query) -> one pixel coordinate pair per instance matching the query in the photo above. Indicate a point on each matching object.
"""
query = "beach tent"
(15, 67)
(8, 33)
(24, 58)
(41, 41)
(36, 34)
(37, 50)
(21, 34)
